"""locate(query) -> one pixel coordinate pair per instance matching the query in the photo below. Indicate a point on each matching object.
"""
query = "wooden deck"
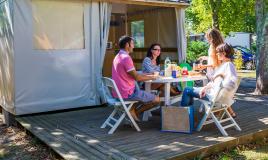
(77, 134)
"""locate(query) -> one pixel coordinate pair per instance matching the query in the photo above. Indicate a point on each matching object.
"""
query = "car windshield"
(244, 49)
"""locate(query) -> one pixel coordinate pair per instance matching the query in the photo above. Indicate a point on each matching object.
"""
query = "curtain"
(7, 56)
(100, 31)
(181, 37)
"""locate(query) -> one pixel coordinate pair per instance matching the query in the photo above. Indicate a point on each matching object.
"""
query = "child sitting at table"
(226, 70)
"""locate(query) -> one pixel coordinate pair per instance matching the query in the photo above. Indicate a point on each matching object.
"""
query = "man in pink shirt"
(124, 74)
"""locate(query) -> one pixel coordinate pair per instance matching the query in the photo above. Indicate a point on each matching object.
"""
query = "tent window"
(58, 25)
(137, 32)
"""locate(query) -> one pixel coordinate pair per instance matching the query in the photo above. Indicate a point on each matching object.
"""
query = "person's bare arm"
(141, 77)
(215, 61)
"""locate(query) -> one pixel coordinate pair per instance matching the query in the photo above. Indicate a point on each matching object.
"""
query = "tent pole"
(126, 24)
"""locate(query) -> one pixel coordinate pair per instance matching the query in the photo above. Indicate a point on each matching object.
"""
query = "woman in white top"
(214, 39)
(226, 71)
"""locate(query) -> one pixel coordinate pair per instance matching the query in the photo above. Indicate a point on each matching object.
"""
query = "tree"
(227, 15)
(215, 9)
(262, 47)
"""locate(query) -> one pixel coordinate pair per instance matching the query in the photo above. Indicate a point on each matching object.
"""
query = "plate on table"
(164, 78)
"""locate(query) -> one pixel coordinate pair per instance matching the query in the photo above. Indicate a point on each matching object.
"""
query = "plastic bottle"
(194, 66)
(166, 67)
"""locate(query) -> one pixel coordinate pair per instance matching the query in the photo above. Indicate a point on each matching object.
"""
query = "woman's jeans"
(189, 94)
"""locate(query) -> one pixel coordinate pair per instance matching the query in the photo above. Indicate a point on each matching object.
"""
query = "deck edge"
(215, 148)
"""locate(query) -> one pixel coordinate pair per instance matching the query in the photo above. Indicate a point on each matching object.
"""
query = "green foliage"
(253, 47)
(137, 32)
(234, 15)
(238, 61)
(196, 49)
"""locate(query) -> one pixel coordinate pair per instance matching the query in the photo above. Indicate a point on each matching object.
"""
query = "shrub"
(253, 47)
(238, 61)
(196, 49)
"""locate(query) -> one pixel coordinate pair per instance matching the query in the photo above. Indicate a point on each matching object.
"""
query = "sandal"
(233, 114)
(134, 115)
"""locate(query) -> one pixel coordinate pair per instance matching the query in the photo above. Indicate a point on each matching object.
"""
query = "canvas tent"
(52, 52)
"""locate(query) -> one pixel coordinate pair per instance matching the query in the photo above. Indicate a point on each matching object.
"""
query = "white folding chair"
(121, 107)
(211, 107)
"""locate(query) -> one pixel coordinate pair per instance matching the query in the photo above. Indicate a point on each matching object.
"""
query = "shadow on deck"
(77, 134)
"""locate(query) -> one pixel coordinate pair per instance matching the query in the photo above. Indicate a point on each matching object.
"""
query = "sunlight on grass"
(259, 153)
(246, 74)
(256, 154)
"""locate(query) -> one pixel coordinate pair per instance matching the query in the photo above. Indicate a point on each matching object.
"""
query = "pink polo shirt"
(122, 64)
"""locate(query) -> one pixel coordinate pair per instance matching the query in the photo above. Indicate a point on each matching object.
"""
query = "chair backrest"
(225, 96)
(109, 87)
(189, 68)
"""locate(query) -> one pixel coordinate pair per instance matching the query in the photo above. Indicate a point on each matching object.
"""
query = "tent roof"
(151, 3)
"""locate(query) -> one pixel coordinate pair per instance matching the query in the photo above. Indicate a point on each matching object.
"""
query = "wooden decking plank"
(77, 144)
(160, 137)
(205, 135)
(172, 151)
(245, 139)
(179, 146)
(46, 137)
(100, 146)
(151, 143)
(68, 141)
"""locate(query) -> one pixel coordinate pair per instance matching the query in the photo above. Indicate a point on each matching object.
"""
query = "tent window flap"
(58, 25)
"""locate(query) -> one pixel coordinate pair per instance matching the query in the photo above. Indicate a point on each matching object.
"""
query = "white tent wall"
(7, 56)
(53, 77)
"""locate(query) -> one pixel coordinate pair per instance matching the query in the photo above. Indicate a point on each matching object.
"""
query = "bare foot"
(175, 93)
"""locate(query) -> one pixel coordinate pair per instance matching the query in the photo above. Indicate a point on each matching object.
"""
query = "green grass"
(254, 151)
(246, 74)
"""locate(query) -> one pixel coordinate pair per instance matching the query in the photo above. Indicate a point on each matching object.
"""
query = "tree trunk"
(215, 4)
(262, 48)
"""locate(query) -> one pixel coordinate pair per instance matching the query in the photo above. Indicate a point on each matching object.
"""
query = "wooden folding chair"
(121, 107)
(211, 107)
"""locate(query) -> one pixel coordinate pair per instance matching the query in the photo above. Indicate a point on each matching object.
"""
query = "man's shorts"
(141, 96)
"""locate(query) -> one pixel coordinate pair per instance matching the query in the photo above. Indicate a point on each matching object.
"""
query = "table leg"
(167, 94)
(205, 82)
(147, 114)
(148, 86)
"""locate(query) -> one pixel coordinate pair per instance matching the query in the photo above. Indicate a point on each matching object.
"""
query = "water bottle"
(166, 67)
(194, 66)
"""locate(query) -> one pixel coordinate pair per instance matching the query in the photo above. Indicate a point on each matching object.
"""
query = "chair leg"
(218, 124)
(202, 122)
(145, 116)
(232, 119)
(108, 119)
(111, 131)
(131, 118)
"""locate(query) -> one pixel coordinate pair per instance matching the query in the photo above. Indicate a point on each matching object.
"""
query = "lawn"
(246, 73)
(253, 151)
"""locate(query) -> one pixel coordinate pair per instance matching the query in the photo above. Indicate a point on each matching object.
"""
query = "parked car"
(247, 56)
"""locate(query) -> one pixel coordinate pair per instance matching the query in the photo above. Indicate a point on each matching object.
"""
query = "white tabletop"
(168, 80)
(163, 79)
